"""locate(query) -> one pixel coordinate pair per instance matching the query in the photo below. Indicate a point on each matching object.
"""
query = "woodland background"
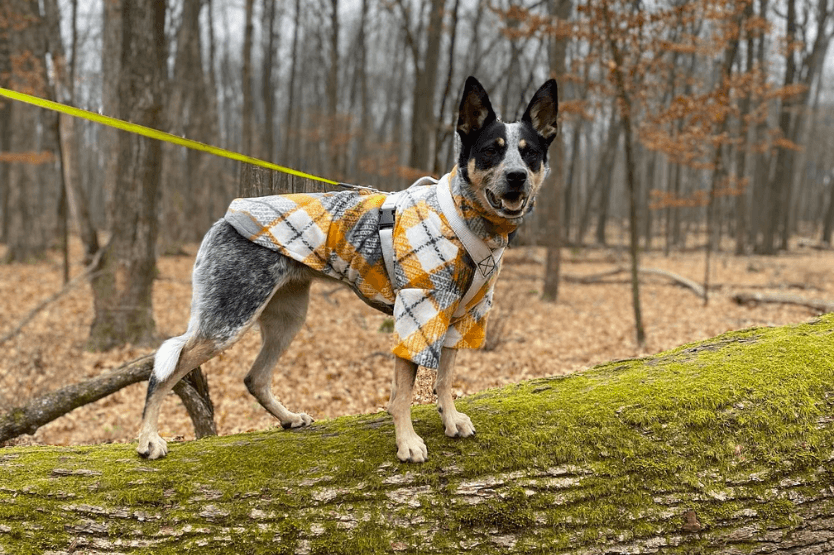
(694, 135)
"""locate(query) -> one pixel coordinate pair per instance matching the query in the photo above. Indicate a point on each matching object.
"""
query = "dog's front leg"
(410, 446)
(456, 423)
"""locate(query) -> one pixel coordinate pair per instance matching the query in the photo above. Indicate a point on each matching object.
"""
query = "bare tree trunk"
(365, 125)
(828, 224)
(211, 121)
(631, 178)
(185, 179)
(246, 142)
(552, 196)
(571, 181)
(781, 177)
(290, 121)
(5, 128)
(602, 175)
(445, 130)
(111, 60)
(423, 119)
(781, 186)
(122, 288)
(605, 198)
(741, 149)
(27, 227)
(719, 173)
(70, 160)
(646, 186)
(268, 87)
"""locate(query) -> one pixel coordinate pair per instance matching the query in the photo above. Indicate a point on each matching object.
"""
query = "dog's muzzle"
(512, 200)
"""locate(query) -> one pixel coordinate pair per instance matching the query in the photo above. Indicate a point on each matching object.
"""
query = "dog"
(436, 276)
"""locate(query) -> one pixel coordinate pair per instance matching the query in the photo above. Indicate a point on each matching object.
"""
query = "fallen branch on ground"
(46, 408)
(193, 390)
(820, 305)
(680, 280)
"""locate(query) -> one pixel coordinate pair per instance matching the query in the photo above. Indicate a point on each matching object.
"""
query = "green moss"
(18, 416)
(387, 326)
(508, 514)
(367, 539)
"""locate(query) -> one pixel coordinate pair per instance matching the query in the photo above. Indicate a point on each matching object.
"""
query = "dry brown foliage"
(340, 363)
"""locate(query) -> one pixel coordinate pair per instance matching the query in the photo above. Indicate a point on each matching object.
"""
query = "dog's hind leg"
(456, 424)
(280, 321)
(174, 359)
(233, 281)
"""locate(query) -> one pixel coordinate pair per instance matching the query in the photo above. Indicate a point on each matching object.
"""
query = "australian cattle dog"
(429, 255)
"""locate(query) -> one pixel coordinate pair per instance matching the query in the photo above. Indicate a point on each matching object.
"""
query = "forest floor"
(340, 362)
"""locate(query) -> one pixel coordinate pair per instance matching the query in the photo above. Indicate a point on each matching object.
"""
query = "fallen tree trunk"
(819, 305)
(723, 446)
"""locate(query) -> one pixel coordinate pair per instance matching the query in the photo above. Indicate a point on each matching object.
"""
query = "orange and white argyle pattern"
(337, 234)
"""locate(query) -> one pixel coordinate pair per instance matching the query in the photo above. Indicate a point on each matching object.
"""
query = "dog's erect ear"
(542, 111)
(475, 110)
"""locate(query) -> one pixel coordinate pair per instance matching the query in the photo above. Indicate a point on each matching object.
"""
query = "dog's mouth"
(509, 204)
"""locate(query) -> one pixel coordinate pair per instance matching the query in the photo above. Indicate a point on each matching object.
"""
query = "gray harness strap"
(387, 217)
(485, 258)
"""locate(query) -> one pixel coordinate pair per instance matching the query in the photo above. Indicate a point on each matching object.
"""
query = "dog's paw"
(152, 447)
(458, 424)
(412, 448)
(299, 420)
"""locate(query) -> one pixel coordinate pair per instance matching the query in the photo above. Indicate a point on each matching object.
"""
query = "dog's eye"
(528, 150)
(490, 150)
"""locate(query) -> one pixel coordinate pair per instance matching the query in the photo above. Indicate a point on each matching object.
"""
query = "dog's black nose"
(516, 179)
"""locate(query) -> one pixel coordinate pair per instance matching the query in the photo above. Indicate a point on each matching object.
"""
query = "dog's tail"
(167, 356)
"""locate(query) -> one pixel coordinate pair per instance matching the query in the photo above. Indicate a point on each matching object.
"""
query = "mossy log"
(723, 446)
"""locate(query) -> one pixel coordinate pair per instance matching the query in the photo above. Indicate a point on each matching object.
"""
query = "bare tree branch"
(680, 280)
(194, 393)
(819, 305)
(193, 390)
(42, 410)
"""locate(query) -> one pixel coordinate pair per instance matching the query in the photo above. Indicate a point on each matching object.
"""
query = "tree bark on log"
(724, 446)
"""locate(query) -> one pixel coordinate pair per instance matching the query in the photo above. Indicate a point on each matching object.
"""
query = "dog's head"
(504, 164)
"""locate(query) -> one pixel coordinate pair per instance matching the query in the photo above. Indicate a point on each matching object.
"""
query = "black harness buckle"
(386, 218)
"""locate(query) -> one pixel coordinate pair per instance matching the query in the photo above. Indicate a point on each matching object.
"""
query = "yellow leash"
(154, 134)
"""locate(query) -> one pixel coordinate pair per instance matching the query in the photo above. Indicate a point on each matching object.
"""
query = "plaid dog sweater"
(337, 234)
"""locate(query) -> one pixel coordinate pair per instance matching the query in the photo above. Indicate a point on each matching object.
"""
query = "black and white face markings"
(505, 163)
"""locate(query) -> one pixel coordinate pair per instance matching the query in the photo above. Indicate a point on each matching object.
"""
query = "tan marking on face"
(481, 179)
(499, 141)
(536, 180)
(470, 168)
(522, 143)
